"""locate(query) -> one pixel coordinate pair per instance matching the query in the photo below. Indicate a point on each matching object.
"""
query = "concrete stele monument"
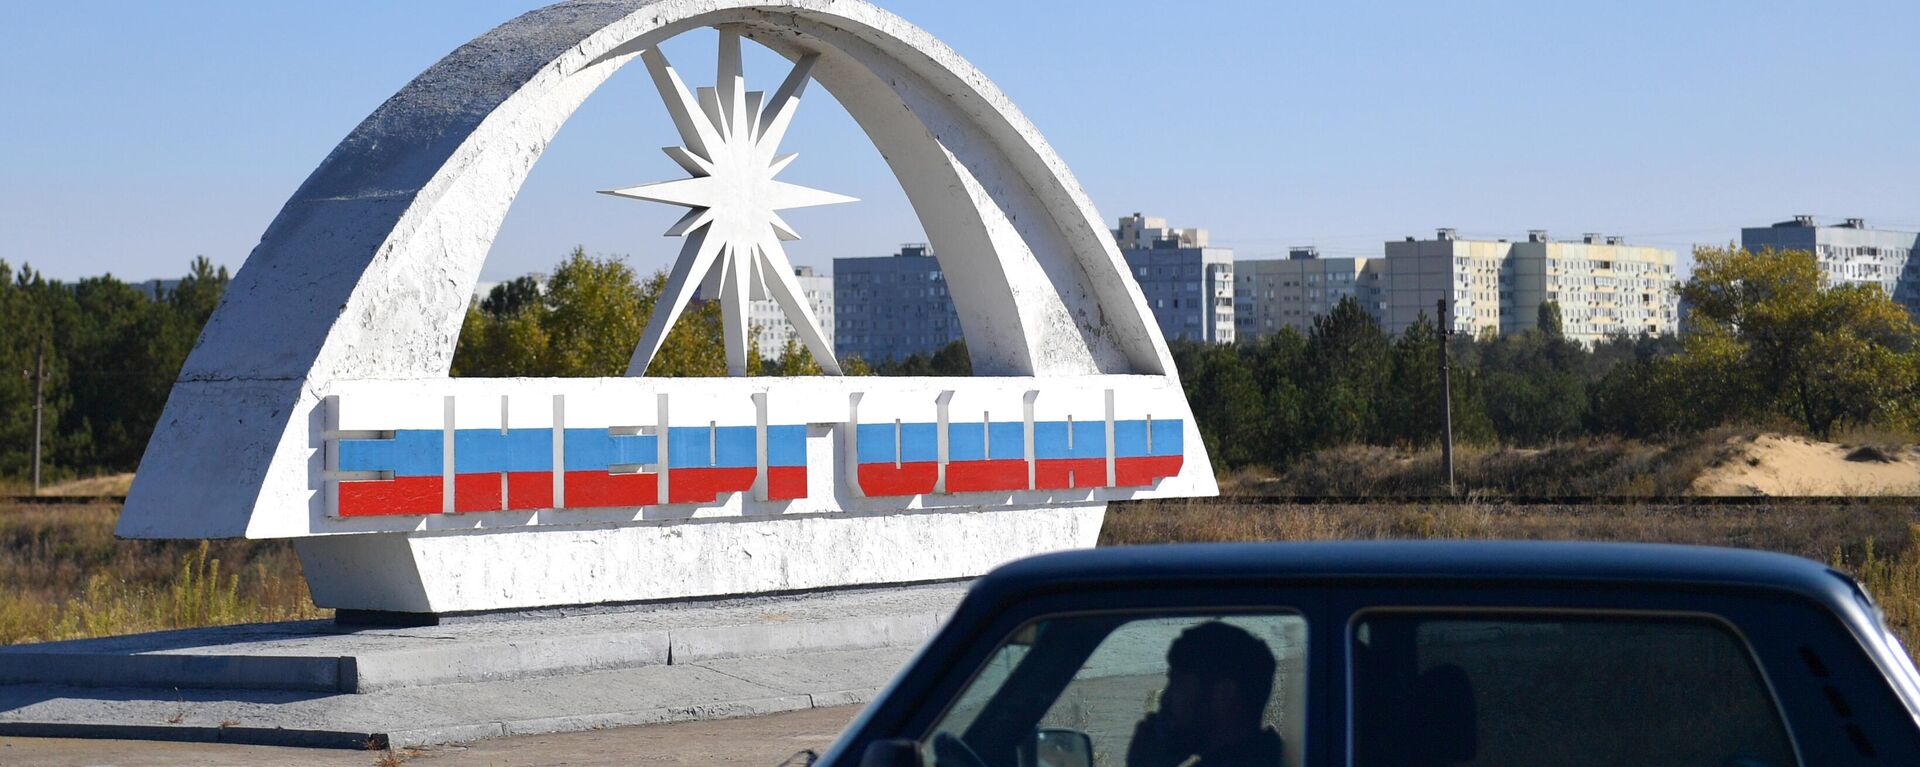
(317, 405)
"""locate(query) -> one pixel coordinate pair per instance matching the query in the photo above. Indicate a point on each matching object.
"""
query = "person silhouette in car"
(1218, 680)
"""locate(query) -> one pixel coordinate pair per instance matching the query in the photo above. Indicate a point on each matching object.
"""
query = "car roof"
(1411, 562)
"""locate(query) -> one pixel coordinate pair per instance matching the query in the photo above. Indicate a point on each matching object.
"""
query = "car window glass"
(1588, 690)
(1237, 688)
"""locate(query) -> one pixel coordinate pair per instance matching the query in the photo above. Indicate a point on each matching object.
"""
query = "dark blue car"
(1402, 653)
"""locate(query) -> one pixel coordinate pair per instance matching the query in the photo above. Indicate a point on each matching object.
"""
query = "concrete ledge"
(110, 669)
(781, 638)
(251, 736)
(319, 657)
(728, 710)
(845, 697)
(491, 661)
(434, 736)
(455, 713)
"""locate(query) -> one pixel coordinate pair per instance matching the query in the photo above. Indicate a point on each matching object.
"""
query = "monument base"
(438, 573)
(314, 684)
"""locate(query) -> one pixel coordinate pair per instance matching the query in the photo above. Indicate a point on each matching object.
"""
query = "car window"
(1454, 689)
(1145, 690)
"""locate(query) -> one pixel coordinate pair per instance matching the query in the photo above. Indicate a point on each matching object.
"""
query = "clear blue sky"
(139, 134)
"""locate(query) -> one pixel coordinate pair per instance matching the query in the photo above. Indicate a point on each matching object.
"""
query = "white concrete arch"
(366, 272)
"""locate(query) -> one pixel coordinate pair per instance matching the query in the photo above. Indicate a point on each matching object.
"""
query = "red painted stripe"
(885, 479)
(598, 489)
(1141, 471)
(706, 485)
(1063, 473)
(529, 490)
(476, 492)
(385, 497)
(976, 476)
(785, 483)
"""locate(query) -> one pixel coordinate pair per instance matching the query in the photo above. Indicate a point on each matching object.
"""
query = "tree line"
(110, 353)
(1765, 340)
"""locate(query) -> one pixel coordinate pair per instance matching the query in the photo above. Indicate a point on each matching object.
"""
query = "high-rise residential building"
(1602, 285)
(892, 307)
(1849, 253)
(1187, 284)
(1270, 294)
(771, 327)
(1466, 271)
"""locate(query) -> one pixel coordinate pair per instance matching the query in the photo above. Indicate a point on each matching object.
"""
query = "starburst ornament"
(733, 228)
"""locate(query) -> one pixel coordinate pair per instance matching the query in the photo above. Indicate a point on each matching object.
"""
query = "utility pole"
(1446, 395)
(39, 404)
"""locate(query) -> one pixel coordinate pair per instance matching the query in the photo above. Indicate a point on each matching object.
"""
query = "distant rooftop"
(1140, 232)
(1449, 234)
(1807, 222)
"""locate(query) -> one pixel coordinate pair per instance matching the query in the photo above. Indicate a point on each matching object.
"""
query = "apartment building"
(1187, 283)
(771, 327)
(1271, 294)
(1849, 253)
(1603, 285)
(892, 307)
(1468, 272)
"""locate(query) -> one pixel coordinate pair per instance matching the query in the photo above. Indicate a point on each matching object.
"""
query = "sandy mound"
(111, 484)
(1776, 465)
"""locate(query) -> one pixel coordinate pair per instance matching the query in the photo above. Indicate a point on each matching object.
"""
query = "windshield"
(1145, 690)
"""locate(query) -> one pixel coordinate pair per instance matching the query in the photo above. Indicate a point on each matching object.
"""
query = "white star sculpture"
(732, 231)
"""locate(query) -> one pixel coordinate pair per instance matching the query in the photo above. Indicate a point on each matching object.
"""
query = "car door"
(1604, 676)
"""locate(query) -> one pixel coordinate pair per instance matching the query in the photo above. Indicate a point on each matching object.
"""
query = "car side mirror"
(897, 752)
(1059, 747)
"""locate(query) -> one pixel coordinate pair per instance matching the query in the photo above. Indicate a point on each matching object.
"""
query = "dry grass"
(107, 484)
(1882, 438)
(1893, 578)
(1879, 543)
(60, 483)
(1594, 466)
(67, 577)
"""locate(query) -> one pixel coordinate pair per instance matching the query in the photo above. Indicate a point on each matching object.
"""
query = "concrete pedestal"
(312, 683)
(438, 573)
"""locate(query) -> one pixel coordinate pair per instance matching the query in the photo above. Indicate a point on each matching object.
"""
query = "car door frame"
(1778, 627)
